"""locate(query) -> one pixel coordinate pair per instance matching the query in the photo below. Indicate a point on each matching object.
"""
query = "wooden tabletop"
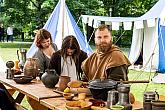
(59, 104)
(45, 96)
(54, 103)
(35, 89)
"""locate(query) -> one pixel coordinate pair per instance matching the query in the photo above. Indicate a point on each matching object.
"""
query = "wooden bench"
(10, 90)
(17, 105)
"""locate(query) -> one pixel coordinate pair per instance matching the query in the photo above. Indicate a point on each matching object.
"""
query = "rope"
(151, 57)
(77, 21)
(120, 37)
(91, 36)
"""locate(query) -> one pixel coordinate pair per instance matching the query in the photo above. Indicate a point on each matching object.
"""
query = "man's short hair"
(103, 27)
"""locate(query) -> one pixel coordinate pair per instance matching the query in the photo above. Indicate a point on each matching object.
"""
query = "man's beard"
(104, 47)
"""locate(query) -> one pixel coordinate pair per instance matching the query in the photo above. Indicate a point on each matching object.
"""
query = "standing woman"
(46, 48)
(67, 61)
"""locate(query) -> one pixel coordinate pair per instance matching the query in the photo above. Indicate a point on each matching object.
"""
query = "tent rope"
(120, 36)
(77, 21)
(151, 57)
(91, 36)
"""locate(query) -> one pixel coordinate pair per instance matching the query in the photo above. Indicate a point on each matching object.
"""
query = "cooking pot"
(158, 105)
(99, 88)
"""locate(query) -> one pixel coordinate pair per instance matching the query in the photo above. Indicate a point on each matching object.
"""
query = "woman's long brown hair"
(70, 42)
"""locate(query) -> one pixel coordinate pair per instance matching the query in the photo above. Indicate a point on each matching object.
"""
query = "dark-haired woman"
(67, 61)
(46, 48)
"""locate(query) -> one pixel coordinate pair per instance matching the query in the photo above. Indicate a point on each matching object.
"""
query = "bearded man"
(108, 61)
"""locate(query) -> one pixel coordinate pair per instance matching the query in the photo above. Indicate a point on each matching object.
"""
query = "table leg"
(19, 98)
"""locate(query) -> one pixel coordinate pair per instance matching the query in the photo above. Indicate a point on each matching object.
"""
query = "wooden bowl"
(78, 105)
(75, 84)
(23, 79)
(68, 96)
(80, 90)
(84, 90)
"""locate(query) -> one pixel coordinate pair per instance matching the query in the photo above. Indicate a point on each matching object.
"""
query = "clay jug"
(50, 78)
(31, 67)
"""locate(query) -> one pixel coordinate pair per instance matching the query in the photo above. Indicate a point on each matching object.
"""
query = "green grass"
(15, 45)
(137, 88)
(9, 52)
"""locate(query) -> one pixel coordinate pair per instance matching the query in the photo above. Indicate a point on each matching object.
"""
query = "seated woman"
(67, 61)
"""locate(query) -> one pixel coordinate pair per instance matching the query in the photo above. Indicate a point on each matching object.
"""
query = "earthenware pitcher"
(50, 78)
(31, 67)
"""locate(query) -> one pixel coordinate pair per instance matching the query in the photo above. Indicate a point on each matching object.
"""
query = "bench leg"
(19, 98)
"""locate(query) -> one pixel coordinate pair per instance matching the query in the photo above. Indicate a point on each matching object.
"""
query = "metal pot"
(158, 105)
(99, 88)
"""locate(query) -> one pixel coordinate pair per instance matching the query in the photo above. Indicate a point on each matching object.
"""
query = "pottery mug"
(63, 81)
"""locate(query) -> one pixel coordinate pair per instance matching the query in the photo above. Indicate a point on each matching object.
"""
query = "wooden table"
(35, 89)
(54, 103)
(59, 104)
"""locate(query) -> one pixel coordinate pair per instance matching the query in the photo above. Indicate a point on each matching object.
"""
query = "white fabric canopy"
(145, 33)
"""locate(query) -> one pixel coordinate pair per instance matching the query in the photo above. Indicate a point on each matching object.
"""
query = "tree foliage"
(27, 15)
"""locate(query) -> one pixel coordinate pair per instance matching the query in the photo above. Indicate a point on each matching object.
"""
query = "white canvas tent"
(148, 35)
(60, 24)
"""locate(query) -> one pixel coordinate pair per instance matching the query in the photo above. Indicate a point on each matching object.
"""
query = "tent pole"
(63, 16)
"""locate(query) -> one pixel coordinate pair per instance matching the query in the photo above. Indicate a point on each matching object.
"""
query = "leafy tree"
(128, 7)
(27, 15)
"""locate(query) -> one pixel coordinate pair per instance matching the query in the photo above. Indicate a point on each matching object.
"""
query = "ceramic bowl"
(78, 105)
(117, 107)
(23, 79)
